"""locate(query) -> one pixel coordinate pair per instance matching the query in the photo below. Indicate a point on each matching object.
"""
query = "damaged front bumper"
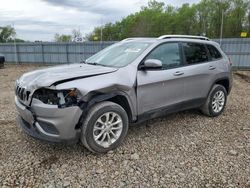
(48, 122)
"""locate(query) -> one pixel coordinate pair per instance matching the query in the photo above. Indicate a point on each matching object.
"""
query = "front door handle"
(211, 67)
(178, 73)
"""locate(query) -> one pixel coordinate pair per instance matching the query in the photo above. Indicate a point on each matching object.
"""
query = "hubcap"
(218, 101)
(107, 129)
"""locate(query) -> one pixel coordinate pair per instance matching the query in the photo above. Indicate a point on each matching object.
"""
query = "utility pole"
(101, 33)
(15, 47)
(101, 29)
(221, 26)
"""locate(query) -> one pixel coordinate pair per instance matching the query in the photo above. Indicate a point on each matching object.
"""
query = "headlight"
(62, 98)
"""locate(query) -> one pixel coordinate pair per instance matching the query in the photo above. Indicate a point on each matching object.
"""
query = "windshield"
(119, 54)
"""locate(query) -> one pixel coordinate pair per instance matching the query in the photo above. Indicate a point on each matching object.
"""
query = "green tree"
(203, 18)
(237, 18)
(62, 38)
(7, 34)
(185, 21)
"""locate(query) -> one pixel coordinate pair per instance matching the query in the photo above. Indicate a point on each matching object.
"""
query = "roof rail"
(183, 36)
(136, 38)
(127, 39)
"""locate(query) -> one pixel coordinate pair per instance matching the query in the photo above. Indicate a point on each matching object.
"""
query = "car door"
(159, 88)
(199, 72)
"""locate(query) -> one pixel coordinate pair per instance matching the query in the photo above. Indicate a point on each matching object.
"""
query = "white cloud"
(41, 19)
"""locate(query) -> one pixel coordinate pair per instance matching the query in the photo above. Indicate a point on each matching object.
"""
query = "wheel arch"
(224, 82)
(123, 102)
(117, 97)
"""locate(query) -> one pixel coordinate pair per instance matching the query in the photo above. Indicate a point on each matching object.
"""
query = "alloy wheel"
(107, 129)
(218, 101)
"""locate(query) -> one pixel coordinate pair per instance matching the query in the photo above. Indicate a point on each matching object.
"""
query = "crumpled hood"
(58, 74)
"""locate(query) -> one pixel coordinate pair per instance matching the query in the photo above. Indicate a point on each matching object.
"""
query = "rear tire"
(216, 101)
(105, 127)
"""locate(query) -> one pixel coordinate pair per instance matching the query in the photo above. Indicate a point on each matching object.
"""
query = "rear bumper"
(48, 122)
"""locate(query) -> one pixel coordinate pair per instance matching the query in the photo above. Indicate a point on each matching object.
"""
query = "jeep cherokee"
(128, 82)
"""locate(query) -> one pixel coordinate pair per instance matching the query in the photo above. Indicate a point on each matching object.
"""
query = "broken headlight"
(62, 98)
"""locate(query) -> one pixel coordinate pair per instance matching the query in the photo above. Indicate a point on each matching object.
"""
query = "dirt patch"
(47, 162)
(243, 76)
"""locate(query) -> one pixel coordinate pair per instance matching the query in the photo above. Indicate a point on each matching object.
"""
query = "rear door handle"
(211, 67)
(178, 73)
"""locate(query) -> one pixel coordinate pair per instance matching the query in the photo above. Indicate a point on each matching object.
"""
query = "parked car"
(126, 83)
(2, 60)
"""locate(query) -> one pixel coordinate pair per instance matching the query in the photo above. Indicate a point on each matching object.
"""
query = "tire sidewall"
(89, 126)
(216, 89)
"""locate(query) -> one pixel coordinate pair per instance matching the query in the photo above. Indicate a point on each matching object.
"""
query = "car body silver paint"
(195, 82)
(24, 112)
(145, 90)
(122, 81)
(48, 76)
(62, 119)
(151, 86)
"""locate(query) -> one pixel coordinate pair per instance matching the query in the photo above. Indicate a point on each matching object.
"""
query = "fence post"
(43, 61)
(83, 51)
(67, 52)
(241, 43)
(16, 53)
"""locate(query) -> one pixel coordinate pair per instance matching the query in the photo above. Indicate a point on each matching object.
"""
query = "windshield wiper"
(91, 63)
(94, 63)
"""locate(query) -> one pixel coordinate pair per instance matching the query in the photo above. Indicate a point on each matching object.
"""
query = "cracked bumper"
(48, 122)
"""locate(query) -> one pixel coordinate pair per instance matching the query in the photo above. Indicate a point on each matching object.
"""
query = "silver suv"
(129, 82)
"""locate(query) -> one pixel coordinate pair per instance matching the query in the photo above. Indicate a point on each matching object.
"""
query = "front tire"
(105, 127)
(216, 101)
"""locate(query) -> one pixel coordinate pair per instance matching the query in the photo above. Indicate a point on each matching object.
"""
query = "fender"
(96, 97)
(220, 79)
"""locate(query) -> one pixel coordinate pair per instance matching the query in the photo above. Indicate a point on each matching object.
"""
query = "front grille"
(22, 93)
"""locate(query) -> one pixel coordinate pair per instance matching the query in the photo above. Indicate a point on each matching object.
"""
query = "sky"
(41, 19)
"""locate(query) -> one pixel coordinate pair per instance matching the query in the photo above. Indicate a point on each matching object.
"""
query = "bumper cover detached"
(48, 122)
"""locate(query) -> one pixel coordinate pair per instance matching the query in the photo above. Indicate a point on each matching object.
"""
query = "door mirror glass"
(152, 63)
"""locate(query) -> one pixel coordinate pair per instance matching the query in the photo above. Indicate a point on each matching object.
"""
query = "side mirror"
(151, 63)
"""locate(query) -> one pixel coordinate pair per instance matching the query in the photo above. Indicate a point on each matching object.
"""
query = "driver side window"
(168, 54)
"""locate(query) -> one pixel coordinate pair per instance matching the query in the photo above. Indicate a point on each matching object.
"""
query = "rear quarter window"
(195, 53)
(214, 52)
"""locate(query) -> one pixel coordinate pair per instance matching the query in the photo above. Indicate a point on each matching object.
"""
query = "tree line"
(203, 18)
(157, 18)
(68, 38)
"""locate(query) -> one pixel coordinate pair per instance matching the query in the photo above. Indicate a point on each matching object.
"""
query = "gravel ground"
(180, 150)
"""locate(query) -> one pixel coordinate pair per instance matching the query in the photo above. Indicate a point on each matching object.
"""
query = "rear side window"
(195, 53)
(215, 54)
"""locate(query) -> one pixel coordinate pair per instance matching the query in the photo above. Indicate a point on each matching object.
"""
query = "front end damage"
(48, 114)
(52, 103)
(51, 113)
